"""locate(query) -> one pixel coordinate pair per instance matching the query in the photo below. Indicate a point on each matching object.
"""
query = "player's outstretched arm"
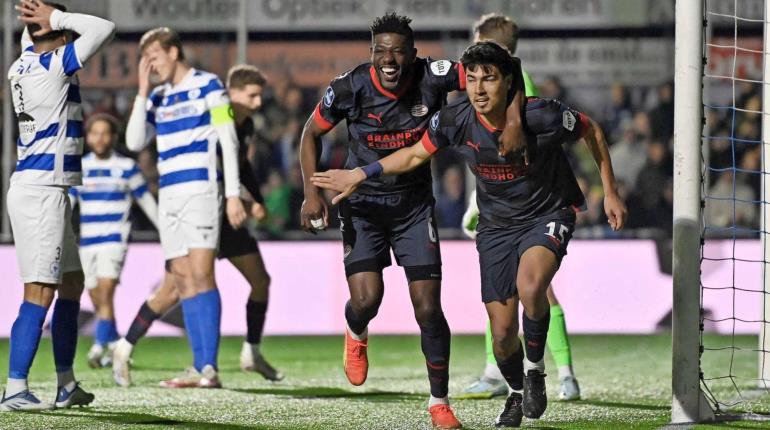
(346, 181)
(313, 206)
(614, 206)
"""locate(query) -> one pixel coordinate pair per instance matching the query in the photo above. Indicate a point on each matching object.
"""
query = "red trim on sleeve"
(428, 144)
(585, 123)
(461, 75)
(320, 121)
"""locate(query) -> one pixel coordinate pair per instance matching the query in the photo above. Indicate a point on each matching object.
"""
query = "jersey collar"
(486, 125)
(386, 93)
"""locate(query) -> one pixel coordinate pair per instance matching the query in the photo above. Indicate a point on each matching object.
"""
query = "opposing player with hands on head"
(245, 84)
(527, 210)
(191, 116)
(46, 100)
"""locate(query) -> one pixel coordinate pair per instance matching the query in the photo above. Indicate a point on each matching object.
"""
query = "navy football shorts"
(234, 243)
(501, 248)
(373, 224)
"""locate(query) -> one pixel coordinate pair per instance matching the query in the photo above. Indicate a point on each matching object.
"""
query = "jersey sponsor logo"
(178, 112)
(194, 93)
(499, 172)
(377, 118)
(440, 67)
(394, 140)
(329, 97)
(434, 122)
(419, 110)
(568, 120)
(475, 146)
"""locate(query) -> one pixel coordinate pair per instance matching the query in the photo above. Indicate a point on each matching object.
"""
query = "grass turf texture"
(625, 382)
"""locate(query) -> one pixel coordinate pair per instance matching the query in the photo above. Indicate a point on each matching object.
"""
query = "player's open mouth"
(481, 101)
(389, 73)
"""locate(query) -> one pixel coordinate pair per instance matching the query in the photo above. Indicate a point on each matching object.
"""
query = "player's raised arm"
(26, 41)
(141, 113)
(614, 207)
(512, 140)
(94, 31)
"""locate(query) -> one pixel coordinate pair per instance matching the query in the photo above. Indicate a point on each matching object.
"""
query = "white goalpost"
(688, 403)
(707, 386)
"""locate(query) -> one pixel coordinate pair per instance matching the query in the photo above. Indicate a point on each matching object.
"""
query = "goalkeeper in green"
(503, 30)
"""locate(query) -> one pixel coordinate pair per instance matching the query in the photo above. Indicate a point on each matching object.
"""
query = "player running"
(503, 30)
(386, 105)
(526, 207)
(191, 115)
(110, 183)
(46, 99)
(245, 84)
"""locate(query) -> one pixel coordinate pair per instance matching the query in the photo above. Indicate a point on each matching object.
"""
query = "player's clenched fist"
(313, 209)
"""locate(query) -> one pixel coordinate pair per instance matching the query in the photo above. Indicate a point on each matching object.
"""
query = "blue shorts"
(501, 248)
(373, 224)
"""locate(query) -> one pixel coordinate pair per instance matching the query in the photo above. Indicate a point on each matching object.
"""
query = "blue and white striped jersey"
(109, 187)
(46, 99)
(184, 117)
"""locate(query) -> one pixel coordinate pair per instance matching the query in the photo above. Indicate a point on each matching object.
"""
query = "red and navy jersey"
(381, 122)
(507, 193)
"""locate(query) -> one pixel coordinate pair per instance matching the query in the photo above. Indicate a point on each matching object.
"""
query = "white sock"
(491, 371)
(66, 380)
(565, 371)
(539, 366)
(15, 386)
(438, 401)
(359, 337)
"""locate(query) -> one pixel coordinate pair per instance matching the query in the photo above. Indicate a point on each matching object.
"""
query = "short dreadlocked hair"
(393, 23)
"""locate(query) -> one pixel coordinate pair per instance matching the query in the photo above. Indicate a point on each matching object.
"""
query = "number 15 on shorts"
(556, 231)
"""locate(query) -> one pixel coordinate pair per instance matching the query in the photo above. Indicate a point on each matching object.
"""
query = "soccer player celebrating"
(526, 209)
(245, 84)
(503, 30)
(46, 99)
(386, 104)
(191, 115)
(110, 183)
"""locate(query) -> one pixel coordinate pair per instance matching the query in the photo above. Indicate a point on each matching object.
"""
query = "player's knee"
(427, 313)
(366, 306)
(72, 285)
(504, 337)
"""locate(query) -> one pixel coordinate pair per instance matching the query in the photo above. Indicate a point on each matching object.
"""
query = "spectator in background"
(662, 116)
(630, 153)
(277, 195)
(618, 111)
(648, 193)
(450, 204)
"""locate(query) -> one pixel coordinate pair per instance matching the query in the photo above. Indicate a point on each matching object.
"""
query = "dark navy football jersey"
(381, 122)
(508, 194)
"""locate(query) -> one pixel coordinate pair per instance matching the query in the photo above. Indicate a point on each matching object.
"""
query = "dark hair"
(245, 74)
(485, 54)
(490, 23)
(51, 35)
(166, 37)
(109, 119)
(392, 23)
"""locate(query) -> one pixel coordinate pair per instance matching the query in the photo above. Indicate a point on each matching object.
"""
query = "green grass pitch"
(625, 382)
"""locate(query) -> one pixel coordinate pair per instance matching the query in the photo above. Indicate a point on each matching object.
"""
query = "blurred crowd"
(638, 123)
